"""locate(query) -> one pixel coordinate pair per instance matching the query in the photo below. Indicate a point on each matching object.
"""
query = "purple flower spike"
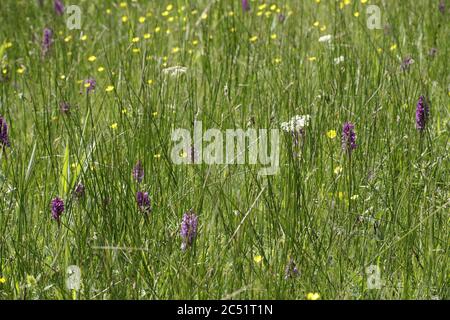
(47, 41)
(59, 7)
(57, 208)
(348, 137)
(442, 6)
(291, 270)
(422, 113)
(143, 202)
(188, 229)
(138, 172)
(90, 85)
(4, 138)
(79, 190)
(245, 5)
(406, 63)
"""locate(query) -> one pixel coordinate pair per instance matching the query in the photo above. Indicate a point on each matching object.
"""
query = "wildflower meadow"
(224, 149)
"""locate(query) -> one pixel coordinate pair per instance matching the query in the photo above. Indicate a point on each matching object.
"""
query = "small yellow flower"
(175, 50)
(123, 4)
(277, 60)
(147, 36)
(316, 24)
(155, 114)
(273, 36)
(393, 47)
(68, 38)
(124, 19)
(141, 19)
(135, 39)
(114, 126)
(109, 88)
(231, 13)
(157, 29)
(194, 42)
(259, 13)
(8, 45)
(337, 170)
(63, 77)
(136, 50)
(169, 7)
(262, 7)
(323, 28)
(313, 296)
(257, 258)
(2, 280)
(273, 7)
(363, 1)
(354, 197)
(124, 111)
(150, 82)
(312, 59)
(157, 156)
(83, 37)
(331, 134)
(204, 16)
(356, 14)
(254, 39)
(379, 50)
(92, 58)
(21, 70)
(100, 69)
(108, 11)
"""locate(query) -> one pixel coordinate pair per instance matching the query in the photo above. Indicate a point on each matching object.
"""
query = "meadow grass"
(331, 213)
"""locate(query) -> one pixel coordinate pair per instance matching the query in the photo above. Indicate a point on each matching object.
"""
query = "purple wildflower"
(90, 84)
(4, 138)
(291, 270)
(245, 5)
(59, 7)
(188, 229)
(422, 113)
(143, 201)
(47, 41)
(406, 63)
(138, 172)
(442, 6)
(79, 190)
(348, 137)
(432, 52)
(64, 107)
(57, 208)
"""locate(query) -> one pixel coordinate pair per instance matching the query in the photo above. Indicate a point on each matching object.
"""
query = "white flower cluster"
(174, 71)
(296, 123)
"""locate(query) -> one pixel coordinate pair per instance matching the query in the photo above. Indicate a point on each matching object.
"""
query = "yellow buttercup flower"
(114, 126)
(135, 39)
(337, 170)
(83, 37)
(141, 19)
(331, 134)
(312, 59)
(313, 296)
(100, 69)
(356, 14)
(253, 39)
(257, 258)
(273, 36)
(124, 19)
(109, 88)
(2, 280)
(92, 58)
(147, 36)
(21, 70)
(393, 47)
